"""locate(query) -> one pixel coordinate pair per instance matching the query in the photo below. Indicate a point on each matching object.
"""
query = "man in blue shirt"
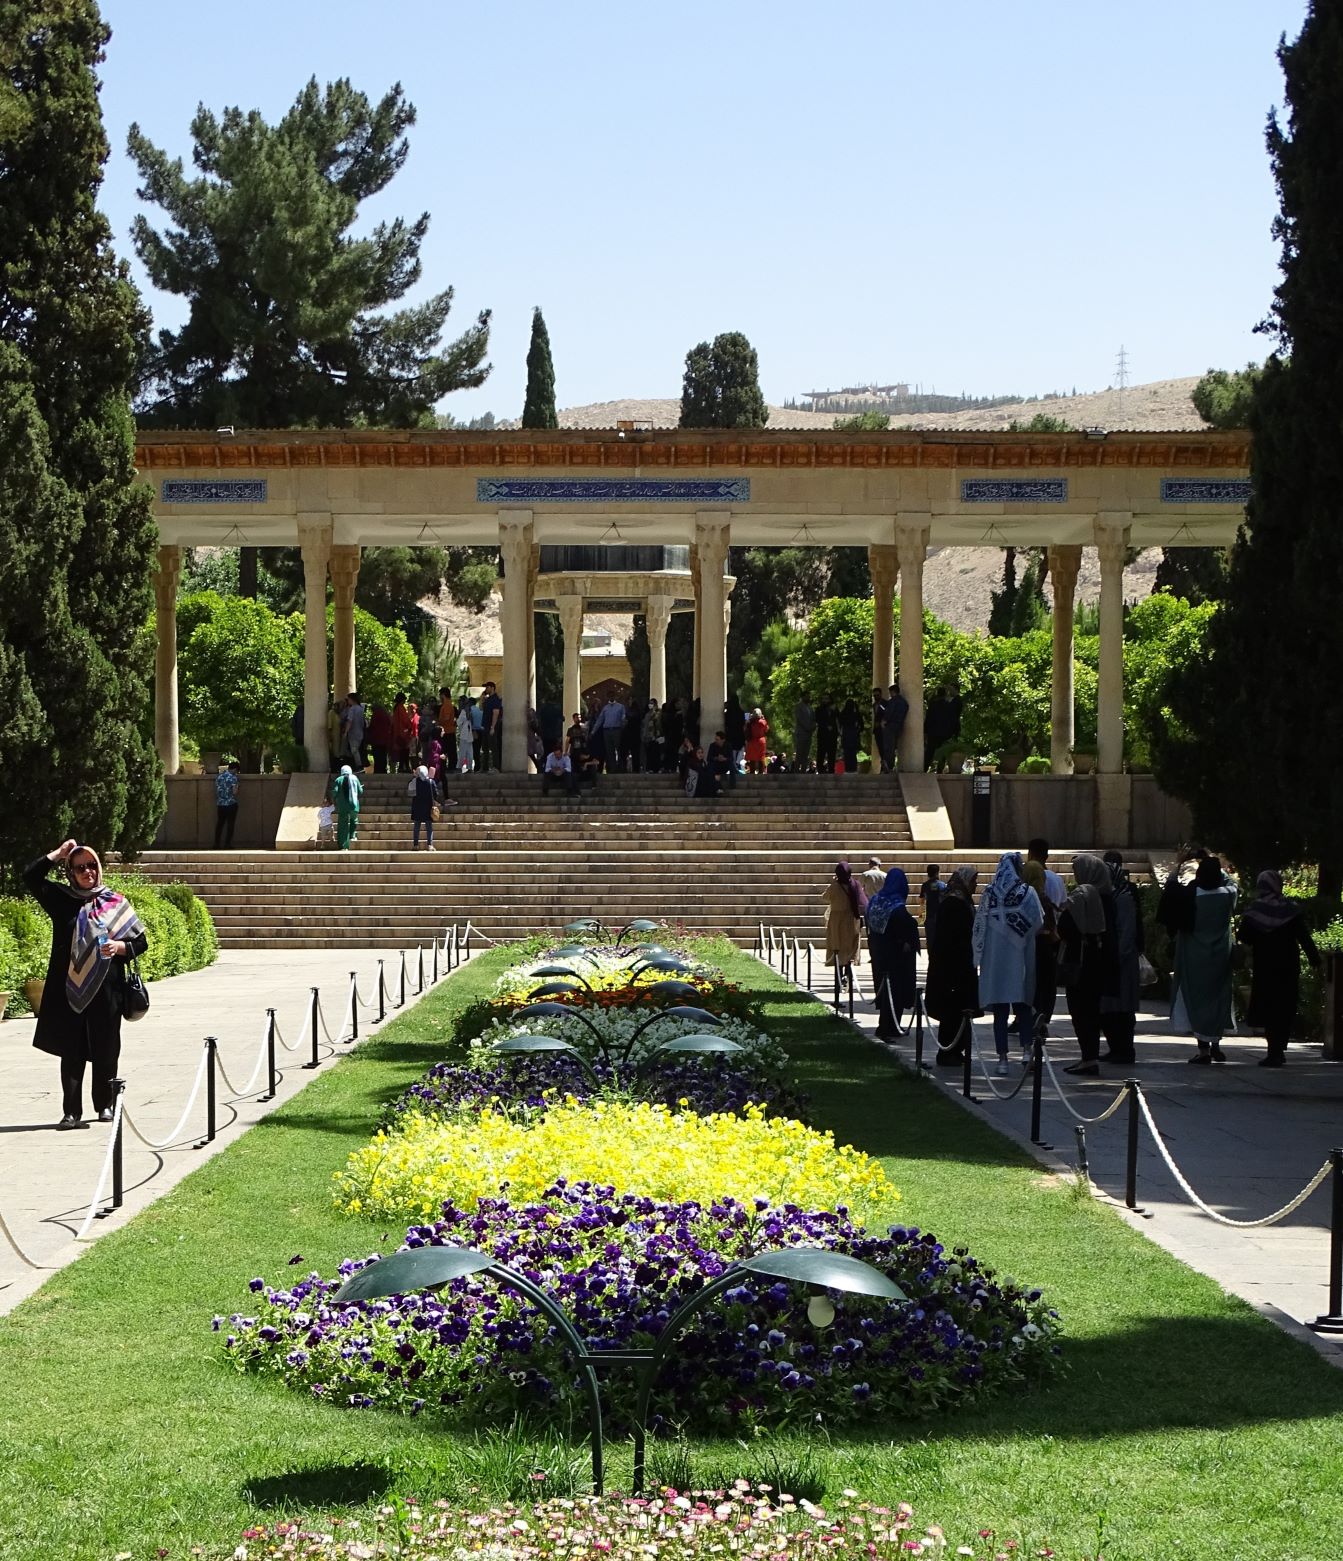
(227, 782)
(492, 711)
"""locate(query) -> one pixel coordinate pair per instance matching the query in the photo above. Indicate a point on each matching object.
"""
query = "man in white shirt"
(874, 878)
(558, 771)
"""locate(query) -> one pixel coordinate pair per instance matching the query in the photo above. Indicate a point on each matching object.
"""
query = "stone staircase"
(511, 862)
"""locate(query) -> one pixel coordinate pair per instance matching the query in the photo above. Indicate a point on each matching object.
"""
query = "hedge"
(181, 935)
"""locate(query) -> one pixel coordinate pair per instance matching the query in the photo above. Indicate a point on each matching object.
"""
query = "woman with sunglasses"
(94, 934)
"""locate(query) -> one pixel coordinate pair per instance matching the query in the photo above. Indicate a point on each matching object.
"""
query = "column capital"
(515, 541)
(657, 617)
(314, 535)
(1065, 559)
(883, 564)
(167, 576)
(713, 537)
(343, 564)
(912, 529)
(1111, 531)
(570, 610)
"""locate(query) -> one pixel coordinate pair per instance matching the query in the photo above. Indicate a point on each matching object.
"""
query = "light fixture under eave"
(234, 537)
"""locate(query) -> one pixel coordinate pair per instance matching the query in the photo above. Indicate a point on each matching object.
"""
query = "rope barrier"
(303, 1035)
(983, 1068)
(334, 1041)
(494, 942)
(1223, 1219)
(176, 1133)
(18, 1250)
(256, 1071)
(957, 1040)
(117, 1115)
(1067, 1104)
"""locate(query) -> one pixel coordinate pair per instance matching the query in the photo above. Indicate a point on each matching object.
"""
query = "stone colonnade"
(892, 564)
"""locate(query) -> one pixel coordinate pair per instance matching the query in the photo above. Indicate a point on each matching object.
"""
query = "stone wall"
(1062, 808)
(189, 823)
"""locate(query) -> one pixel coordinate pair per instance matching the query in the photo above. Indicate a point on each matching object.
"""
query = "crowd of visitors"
(1006, 951)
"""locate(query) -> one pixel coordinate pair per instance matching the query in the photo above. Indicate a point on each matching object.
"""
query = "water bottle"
(101, 936)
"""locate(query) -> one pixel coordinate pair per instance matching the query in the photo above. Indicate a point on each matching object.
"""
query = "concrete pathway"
(48, 1177)
(1247, 1139)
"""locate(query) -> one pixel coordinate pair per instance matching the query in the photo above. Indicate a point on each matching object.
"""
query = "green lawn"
(1185, 1425)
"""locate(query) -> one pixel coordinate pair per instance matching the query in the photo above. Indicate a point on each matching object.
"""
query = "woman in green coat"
(346, 793)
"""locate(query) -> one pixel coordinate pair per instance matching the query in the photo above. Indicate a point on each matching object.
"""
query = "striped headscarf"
(103, 912)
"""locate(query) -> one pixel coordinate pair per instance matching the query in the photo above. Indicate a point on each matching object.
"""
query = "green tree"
(538, 407)
(863, 423)
(777, 642)
(240, 673)
(721, 388)
(76, 530)
(288, 321)
(385, 660)
(1018, 606)
(1041, 423)
(1223, 399)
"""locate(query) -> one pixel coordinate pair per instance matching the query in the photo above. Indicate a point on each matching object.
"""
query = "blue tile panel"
(249, 490)
(1204, 490)
(614, 490)
(1014, 490)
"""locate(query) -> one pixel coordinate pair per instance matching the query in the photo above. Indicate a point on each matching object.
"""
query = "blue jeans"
(428, 833)
(1000, 1012)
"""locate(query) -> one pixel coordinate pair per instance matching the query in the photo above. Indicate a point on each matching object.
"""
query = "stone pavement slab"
(1247, 1139)
(48, 1177)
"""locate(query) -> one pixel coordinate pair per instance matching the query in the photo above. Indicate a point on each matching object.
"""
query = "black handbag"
(134, 993)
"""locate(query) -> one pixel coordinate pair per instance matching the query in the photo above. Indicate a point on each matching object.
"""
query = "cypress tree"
(1246, 716)
(538, 408)
(77, 532)
(721, 388)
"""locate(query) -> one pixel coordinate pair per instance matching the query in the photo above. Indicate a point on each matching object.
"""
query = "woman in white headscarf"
(346, 792)
(1008, 918)
(95, 933)
(423, 794)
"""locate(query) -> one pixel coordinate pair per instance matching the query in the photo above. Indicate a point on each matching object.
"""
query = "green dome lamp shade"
(583, 924)
(527, 1045)
(535, 1010)
(560, 970)
(694, 1015)
(557, 989)
(639, 924)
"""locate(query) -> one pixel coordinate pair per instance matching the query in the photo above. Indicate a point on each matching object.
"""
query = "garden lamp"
(561, 970)
(527, 1045)
(430, 1268)
(575, 951)
(556, 989)
(661, 962)
(694, 1015)
(696, 1043)
(642, 951)
(639, 924)
(674, 989)
(583, 924)
(561, 1011)
(812, 1266)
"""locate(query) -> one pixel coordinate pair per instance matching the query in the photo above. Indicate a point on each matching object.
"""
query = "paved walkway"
(48, 1178)
(1247, 1139)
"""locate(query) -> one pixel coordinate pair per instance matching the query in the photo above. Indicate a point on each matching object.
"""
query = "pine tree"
(538, 408)
(1244, 716)
(721, 388)
(76, 531)
(288, 324)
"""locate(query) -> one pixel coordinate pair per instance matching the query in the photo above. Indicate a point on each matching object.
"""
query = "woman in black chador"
(95, 933)
(1277, 933)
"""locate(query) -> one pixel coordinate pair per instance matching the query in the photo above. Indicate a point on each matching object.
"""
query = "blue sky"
(970, 196)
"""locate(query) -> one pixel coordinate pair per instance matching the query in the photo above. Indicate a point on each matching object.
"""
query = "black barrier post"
(401, 1000)
(312, 1025)
(1037, 1091)
(466, 952)
(1332, 1320)
(968, 1040)
(118, 1175)
(1131, 1162)
(836, 986)
(849, 972)
(434, 978)
(808, 967)
(354, 1008)
(382, 993)
(1083, 1168)
(419, 979)
(272, 1082)
(918, 1031)
(211, 1057)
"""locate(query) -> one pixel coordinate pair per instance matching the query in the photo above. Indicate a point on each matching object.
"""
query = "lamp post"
(576, 951)
(668, 963)
(689, 1043)
(678, 1011)
(535, 1010)
(527, 1045)
(430, 1268)
(639, 924)
(557, 989)
(561, 970)
(584, 924)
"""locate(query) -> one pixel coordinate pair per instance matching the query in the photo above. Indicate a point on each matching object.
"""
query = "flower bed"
(619, 1264)
(640, 1147)
(757, 1524)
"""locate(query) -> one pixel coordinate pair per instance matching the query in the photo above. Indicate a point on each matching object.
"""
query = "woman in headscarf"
(423, 793)
(850, 735)
(1276, 931)
(757, 734)
(1008, 918)
(952, 986)
(95, 933)
(893, 944)
(1119, 1007)
(1046, 956)
(844, 903)
(346, 791)
(1086, 927)
(1201, 1000)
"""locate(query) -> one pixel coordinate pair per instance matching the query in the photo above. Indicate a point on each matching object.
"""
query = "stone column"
(657, 619)
(694, 654)
(712, 538)
(314, 540)
(533, 569)
(515, 548)
(571, 624)
(911, 545)
(1064, 562)
(884, 566)
(1112, 532)
(166, 733)
(344, 567)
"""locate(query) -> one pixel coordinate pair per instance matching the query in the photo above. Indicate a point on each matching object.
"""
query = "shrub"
(199, 923)
(25, 947)
(642, 1148)
(619, 1266)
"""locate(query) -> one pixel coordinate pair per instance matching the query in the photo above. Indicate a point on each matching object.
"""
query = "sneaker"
(431, 848)
(68, 1121)
(1200, 1059)
(1002, 1069)
(106, 1114)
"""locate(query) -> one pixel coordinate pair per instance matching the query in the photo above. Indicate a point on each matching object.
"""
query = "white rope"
(983, 1068)
(348, 1020)
(760, 947)
(1222, 1219)
(256, 1071)
(303, 1034)
(149, 1143)
(890, 1009)
(1071, 1109)
(364, 1002)
(471, 927)
(117, 1115)
(18, 1250)
(957, 1039)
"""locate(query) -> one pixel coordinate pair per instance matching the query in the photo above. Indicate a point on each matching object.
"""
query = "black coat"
(60, 1030)
(422, 801)
(953, 982)
(894, 952)
(1275, 982)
